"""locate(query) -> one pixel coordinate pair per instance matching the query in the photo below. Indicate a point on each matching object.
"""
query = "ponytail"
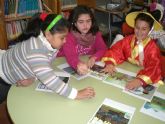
(40, 22)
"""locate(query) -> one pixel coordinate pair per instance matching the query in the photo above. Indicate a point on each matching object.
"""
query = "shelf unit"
(53, 6)
(3, 36)
(50, 5)
(70, 4)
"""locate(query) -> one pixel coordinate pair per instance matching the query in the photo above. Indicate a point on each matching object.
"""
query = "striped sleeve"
(41, 67)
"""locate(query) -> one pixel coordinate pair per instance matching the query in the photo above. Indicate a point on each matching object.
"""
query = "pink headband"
(43, 16)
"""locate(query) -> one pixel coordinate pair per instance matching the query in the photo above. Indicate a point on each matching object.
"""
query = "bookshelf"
(9, 17)
(14, 15)
(67, 5)
(3, 37)
(70, 4)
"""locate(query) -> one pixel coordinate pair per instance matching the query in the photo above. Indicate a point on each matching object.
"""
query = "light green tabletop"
(28, 106)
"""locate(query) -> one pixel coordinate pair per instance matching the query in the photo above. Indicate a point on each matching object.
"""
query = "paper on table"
(111, 111)
(155, 108)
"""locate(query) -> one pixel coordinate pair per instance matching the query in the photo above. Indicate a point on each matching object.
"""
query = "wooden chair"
(163, 63)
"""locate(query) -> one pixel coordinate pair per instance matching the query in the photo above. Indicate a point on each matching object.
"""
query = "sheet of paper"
(155, 108)
(141, 93)
(66, 68)
(111, 111)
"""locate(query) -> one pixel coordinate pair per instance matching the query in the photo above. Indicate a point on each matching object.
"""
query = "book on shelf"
(16, 8)
(68, 4)
(155, 108)
(111, 111)
(15, 28)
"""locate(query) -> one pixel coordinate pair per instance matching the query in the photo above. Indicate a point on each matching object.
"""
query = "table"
(27, 106)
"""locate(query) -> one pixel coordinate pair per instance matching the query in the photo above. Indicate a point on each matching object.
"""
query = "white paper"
(139, 93)
(95, 71)
(133, 74)
(42, 87)
(118, 80)
(155, 108)
(66, 68)
(111, 110)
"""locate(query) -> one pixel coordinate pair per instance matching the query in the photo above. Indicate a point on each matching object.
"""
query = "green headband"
(55, 20)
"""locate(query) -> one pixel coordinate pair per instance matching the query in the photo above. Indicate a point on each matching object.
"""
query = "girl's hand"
(25, 82)
(82, 68)
(110, 69)
(91, 62)
(133, 84)
(86, 93)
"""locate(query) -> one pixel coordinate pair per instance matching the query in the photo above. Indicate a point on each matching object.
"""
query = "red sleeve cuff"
(109, 62)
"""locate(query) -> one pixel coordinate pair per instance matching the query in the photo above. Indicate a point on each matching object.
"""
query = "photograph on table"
(96, 71)
(146, 93)
(155, 108)
(66, 68)
(112, 112)
(62, 76)
(118, 80)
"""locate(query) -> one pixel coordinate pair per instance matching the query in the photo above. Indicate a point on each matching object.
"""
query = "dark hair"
(156, 14)
(146, 18)
(35, 25)
(81, 9)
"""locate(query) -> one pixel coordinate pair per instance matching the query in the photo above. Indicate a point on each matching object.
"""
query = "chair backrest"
(126, 30)
(163, 65)
(89, 3)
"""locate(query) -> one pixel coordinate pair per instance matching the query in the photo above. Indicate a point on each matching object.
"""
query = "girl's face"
(84, 23)
(56, 40)
(141, 29)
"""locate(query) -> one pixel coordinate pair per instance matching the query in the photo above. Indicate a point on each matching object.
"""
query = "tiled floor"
(4, 117)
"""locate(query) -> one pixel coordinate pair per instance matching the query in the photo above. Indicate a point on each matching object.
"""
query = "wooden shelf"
(68, 7)
(162, 51)
(52, 6)
(1, 13)
(17, 18)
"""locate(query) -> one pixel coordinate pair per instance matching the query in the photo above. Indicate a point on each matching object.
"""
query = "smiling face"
(56, 40)
(141, 29)
(84, 23)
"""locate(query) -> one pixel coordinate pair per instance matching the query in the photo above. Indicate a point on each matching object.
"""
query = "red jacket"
(127, 50)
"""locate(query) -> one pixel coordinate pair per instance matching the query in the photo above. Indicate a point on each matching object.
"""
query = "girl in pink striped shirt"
(83, 39)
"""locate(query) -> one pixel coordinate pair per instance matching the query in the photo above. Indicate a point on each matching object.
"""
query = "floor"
(4, 117)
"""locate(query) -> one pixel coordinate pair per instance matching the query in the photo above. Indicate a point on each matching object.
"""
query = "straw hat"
(130, 19)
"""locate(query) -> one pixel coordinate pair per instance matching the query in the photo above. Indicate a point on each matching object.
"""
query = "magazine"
(145, 93)
(96, 71)
(155, 108)
(66, 68)
(63, 76)
(112, 112)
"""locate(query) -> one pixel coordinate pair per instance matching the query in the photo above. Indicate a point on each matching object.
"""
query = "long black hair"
(76, 12)
(36, 25)
(146, 18)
